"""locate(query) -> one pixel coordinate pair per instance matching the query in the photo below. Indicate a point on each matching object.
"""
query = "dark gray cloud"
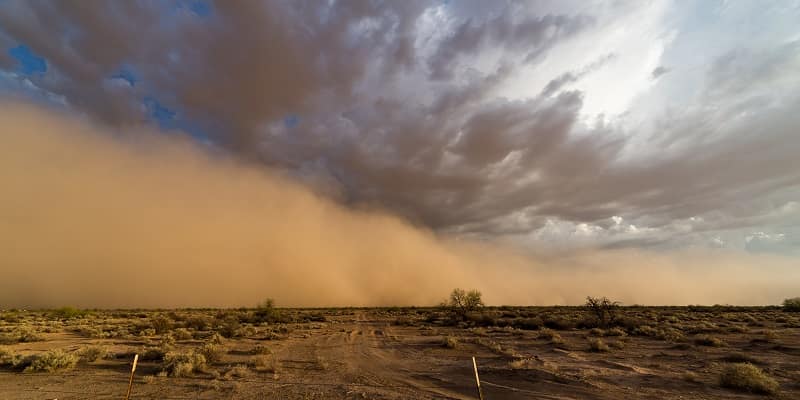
(394, 110)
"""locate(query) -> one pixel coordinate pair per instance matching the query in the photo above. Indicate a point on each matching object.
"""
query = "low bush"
(52, 361)
(92, 353)
(705, 340)
(666, 334)
(449, 342)
(748, 378)
(180, 364)
(8, 358)
(598, 345)
(561, 324)
(265, 363)
(597, 332)
(615, 332)
(21, 335)
(212, 352)
(68, 313)
(739, 358)
(237, 371)
(182, 334)
(550, 335)
(160, 324)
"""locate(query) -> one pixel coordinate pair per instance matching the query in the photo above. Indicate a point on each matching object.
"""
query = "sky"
(655, 128)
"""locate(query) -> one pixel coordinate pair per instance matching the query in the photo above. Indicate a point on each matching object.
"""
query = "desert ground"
(693, 352)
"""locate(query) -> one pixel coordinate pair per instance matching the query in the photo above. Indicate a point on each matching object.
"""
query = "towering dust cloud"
(136, 219)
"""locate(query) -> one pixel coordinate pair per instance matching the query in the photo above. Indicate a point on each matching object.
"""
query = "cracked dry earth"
(363, 354)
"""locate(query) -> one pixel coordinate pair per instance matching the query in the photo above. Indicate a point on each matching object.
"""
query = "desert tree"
(462, 302)
(792, 304)
(604, 309)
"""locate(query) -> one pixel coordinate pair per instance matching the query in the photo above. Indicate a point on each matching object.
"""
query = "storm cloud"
(428, 110)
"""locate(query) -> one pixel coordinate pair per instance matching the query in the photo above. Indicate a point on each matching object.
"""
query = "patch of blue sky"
(163, 116)
(29, 62)
(126, 73)
(170, 119)
(200, 8)
(291, 121)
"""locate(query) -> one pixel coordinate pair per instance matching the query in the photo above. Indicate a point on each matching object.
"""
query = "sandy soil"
(366, 354)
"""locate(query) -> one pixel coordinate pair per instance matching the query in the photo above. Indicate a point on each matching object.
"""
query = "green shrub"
(748, 378)
(51, 361)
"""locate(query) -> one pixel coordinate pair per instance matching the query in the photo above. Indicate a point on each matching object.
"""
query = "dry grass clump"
(747, 377)
(21, 335)
(617, 344)
(450, 342)
(8, 358)
(597, 332)
(525, 363)
(550, 335)
(598, 345)
(265, 363)
(666, 334)
(615, 332)
(212, 352)
(182, 334)
(52, 361)
(237, 371)
(690, 377)
(705, 340)
(92, 353)
(180, 364)
(737, 329)
(260, 349)
(739, 358)
(496, 348)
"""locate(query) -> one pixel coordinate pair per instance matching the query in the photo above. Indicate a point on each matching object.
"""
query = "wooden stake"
(477, 380)
(133, 370)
